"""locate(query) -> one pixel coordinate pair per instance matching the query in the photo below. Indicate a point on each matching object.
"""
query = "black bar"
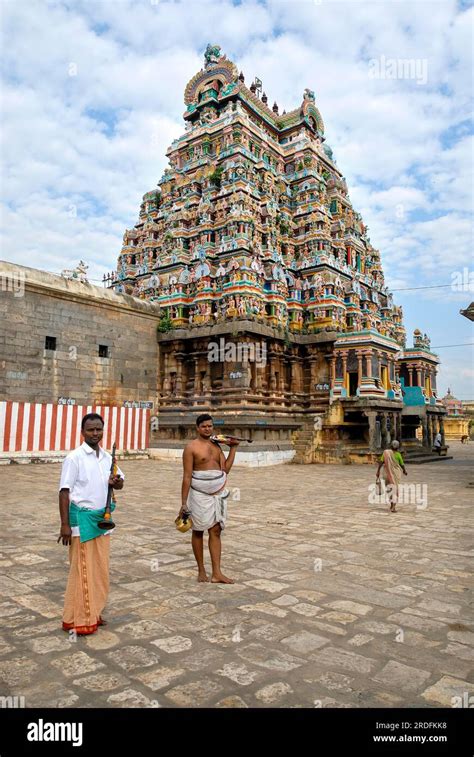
(319, 731)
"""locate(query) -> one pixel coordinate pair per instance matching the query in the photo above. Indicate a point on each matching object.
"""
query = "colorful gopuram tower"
(275, 314)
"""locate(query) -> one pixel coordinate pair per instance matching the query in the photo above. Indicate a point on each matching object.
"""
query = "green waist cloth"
(87, 520)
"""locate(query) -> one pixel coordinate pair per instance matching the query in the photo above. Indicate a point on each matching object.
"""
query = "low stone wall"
(247, 459)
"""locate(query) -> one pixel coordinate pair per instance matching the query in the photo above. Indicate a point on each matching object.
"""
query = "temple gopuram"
(456, 420)
(275, 316)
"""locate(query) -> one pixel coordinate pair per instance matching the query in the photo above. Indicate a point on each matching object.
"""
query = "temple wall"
(456, 427)
(35, 305)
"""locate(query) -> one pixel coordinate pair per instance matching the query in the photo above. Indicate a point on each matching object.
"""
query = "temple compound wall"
(69, 342)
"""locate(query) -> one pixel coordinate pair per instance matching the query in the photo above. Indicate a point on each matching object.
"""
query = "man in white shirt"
(85, 478)
(438, 443)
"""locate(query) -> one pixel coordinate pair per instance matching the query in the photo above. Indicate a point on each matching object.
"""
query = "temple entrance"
(353, 383)
(356, 427)
(410, 423)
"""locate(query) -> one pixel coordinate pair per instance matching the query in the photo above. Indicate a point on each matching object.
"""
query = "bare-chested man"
(203, 493)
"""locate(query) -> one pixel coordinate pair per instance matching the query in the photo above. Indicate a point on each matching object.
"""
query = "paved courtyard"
(337, 602)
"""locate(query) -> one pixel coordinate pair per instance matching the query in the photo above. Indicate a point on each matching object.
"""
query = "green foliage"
(165, 324)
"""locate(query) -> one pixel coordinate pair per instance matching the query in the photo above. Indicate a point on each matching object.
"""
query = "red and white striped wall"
(29, 427)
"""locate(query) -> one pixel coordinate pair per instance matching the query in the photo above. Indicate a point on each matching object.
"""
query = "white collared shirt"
(86, 475)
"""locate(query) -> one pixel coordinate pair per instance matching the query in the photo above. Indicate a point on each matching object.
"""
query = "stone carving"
(79, 273)
(212, 55)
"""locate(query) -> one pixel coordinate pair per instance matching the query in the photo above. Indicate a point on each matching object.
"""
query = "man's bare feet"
(203, 578)
(221, 579)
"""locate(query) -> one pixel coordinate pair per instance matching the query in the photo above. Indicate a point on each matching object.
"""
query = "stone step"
(420, 459)
(40, 458)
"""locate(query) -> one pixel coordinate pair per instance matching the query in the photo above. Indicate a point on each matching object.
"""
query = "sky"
(92, 96)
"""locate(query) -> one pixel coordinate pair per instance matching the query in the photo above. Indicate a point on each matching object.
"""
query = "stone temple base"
(271, 434)
(250, 456)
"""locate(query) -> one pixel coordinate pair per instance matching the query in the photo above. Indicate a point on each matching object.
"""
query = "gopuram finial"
(211, 55)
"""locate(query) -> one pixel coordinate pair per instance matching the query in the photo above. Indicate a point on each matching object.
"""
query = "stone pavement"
(338, 603)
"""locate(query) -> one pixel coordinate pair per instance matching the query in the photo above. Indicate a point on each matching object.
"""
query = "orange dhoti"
(88, 584)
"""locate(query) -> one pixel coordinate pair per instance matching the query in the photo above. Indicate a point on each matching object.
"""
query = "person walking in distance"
(393, 466)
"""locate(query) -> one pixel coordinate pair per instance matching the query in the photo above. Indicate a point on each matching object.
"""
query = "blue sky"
(92, 95)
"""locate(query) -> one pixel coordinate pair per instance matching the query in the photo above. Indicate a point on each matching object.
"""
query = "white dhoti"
(207, 499)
